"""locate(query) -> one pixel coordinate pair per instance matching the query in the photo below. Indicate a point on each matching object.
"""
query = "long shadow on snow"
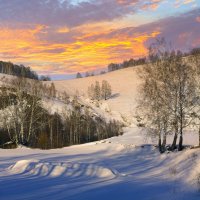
(133, 182)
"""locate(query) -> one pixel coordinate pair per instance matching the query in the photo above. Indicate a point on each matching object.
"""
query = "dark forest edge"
(21, 71)
(25, 121)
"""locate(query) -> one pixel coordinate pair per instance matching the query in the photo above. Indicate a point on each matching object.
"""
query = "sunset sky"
(61, 37)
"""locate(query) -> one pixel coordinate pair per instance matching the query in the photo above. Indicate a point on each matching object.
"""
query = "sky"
(62, 37)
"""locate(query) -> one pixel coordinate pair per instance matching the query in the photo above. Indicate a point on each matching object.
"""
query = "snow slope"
(124, 85)
(120, 168)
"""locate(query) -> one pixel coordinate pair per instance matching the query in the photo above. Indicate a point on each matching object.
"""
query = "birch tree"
(105, 90)
(168, 95)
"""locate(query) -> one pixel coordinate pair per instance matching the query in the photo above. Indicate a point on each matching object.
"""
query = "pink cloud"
(198, 19)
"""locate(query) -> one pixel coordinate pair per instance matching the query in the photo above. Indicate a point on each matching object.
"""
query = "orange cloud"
(89, 52)
(126, 2)
(63, 30)
(152, 5)
(87, 37)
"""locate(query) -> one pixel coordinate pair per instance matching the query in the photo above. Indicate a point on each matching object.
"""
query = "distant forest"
(17, 70)
(141, 61)
(127, 63)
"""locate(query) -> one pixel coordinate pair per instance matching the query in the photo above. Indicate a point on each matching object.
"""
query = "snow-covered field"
(120, 168)
(126, 167)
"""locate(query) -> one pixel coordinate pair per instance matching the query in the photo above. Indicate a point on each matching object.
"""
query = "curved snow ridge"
(35, 167)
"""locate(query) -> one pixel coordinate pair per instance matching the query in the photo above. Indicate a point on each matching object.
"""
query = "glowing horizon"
(64, 37)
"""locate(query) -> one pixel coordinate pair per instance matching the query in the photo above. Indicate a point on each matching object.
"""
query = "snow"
(58, 169)
(124, 167)
(127, 167)
(124, 84)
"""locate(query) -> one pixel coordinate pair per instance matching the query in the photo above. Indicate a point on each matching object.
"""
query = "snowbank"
(35, 167)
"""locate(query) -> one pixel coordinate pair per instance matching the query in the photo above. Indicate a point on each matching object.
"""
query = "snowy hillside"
(120, 106)
(124, 85)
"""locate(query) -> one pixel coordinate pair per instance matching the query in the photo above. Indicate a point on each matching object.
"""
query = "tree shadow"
(113, 96)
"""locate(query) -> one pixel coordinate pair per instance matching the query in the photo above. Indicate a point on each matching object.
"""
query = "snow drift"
(35, 167)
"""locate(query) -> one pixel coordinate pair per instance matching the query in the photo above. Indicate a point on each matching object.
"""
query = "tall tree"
(194, 61)
(168, 93)
(106, 91)
(91, 92)
(97, 91)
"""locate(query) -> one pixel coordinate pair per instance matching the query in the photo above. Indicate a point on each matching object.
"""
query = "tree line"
(130, 63)
(25, 121)
(17, 70)
(141, 61)
(116, 66)
(127, 63)
(170, 95)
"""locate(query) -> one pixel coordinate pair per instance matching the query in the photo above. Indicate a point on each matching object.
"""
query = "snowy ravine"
(120, 168)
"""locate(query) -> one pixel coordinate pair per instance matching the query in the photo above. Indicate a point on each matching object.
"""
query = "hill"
(124, 85)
